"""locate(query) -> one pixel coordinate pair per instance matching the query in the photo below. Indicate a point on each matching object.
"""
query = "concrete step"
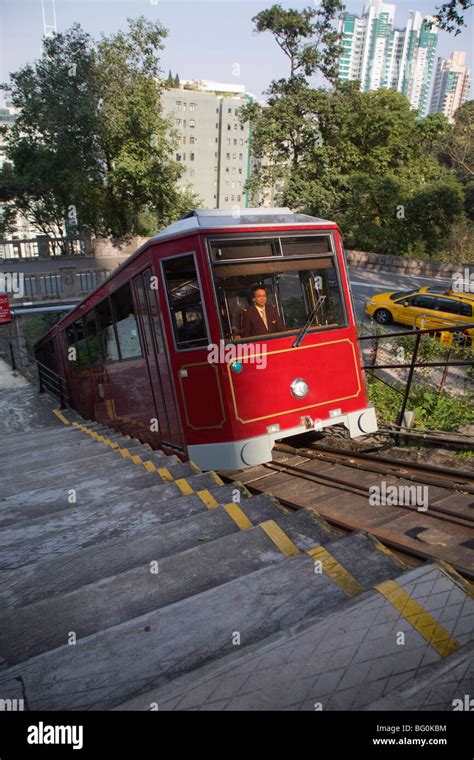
(72, 530)
(59, 575)
(446, 685)
(43, 437)
(346, 659)
(103, 670)
(134, 592)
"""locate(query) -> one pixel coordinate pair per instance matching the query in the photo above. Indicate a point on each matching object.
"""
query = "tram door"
(157, 361)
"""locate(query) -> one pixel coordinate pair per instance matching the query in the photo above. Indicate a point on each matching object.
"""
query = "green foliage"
(432, 411)
(35, 327)
(90, 144)
(448, 15)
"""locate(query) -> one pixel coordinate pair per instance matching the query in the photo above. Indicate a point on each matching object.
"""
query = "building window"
(191, 172)
(178, 157)
(235, 141)
(227, 169)
(229, 127)
(178, 104)
(232, 197)
(217, 110)
(177, 122)
(240, 156)
(226, 197)
(229, 110)
(184, 156)
(192, 106)
(238, 197)
(216, 140)
(242, 128)
(241, 142)
(217, 126)
(216, 154)
(192, 140)
(184, 122)
(228, 141)
(240, 171)
(191, 156)
(192, 123)
(184, 106)
(233, 170)
(236, 125)
(234, 156)
(184, 140)
(227, 155)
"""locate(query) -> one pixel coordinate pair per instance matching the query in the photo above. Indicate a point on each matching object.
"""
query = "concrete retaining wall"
(400, 265)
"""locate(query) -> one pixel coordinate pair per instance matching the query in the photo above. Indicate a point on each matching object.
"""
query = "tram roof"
(219, 218)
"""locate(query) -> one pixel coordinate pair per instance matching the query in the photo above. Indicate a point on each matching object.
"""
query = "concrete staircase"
(131, 580)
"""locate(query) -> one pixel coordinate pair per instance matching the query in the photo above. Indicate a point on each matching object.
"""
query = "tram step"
(135, 592)
(106, 669)
(135, 547)
(79, 527)
(446, 685)
(344, 660)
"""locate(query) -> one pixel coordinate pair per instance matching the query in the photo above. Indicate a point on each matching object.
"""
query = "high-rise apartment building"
(451, 85)
(380, 55)
(213, 145)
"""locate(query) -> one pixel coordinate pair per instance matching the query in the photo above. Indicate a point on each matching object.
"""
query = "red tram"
(222, 334)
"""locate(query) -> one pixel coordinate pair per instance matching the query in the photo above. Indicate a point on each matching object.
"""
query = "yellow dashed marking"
(217, 480)
(61, 417)
(419, 618)
(238, 516)
(336, 572)
(164, 473)
(124, 452)
(207, 499)
(184, 486)
(279, 538)
(150, 467)
(136, 459)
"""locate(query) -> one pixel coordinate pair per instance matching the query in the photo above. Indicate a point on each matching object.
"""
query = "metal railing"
(414, 364)
(48, 380)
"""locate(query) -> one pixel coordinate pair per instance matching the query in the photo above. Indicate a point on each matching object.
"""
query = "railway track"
(420, 511)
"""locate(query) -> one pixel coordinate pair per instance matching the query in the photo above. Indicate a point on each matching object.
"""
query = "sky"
(206, 37)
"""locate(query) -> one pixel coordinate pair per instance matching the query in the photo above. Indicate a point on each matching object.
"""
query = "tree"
(90, 149)
(448, 16)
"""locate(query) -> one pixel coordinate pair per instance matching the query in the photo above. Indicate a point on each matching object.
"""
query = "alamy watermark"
(393, 495)
(239, 353)
(12, 282)
(463, 282)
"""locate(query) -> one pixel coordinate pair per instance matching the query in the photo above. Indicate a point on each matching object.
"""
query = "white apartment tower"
(451, 85)
(380, 55)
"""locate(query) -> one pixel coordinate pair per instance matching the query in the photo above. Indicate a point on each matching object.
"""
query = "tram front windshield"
(290, 277)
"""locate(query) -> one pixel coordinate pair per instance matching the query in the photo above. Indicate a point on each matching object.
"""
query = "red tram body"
(158, 350)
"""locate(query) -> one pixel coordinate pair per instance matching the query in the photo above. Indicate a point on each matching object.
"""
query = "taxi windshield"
(269, 286)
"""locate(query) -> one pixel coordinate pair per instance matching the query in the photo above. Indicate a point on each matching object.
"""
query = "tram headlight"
(299, 388)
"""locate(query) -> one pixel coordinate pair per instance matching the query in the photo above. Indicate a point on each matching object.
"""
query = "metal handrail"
(417, 333)
(48, 379)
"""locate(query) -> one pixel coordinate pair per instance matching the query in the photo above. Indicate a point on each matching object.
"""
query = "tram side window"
(82, 354)
(185, 302)
(107, 332)
(126, 323)
(93, 341)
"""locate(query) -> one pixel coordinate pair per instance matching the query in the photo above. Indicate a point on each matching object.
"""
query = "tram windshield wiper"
(302, 334)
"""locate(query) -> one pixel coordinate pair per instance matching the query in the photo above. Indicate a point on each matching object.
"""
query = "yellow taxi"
(425, 308)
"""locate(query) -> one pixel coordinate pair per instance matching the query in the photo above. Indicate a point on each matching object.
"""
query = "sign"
(5, 315)
(446, 338)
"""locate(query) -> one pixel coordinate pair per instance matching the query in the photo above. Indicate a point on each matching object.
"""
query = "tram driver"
(260, 318)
